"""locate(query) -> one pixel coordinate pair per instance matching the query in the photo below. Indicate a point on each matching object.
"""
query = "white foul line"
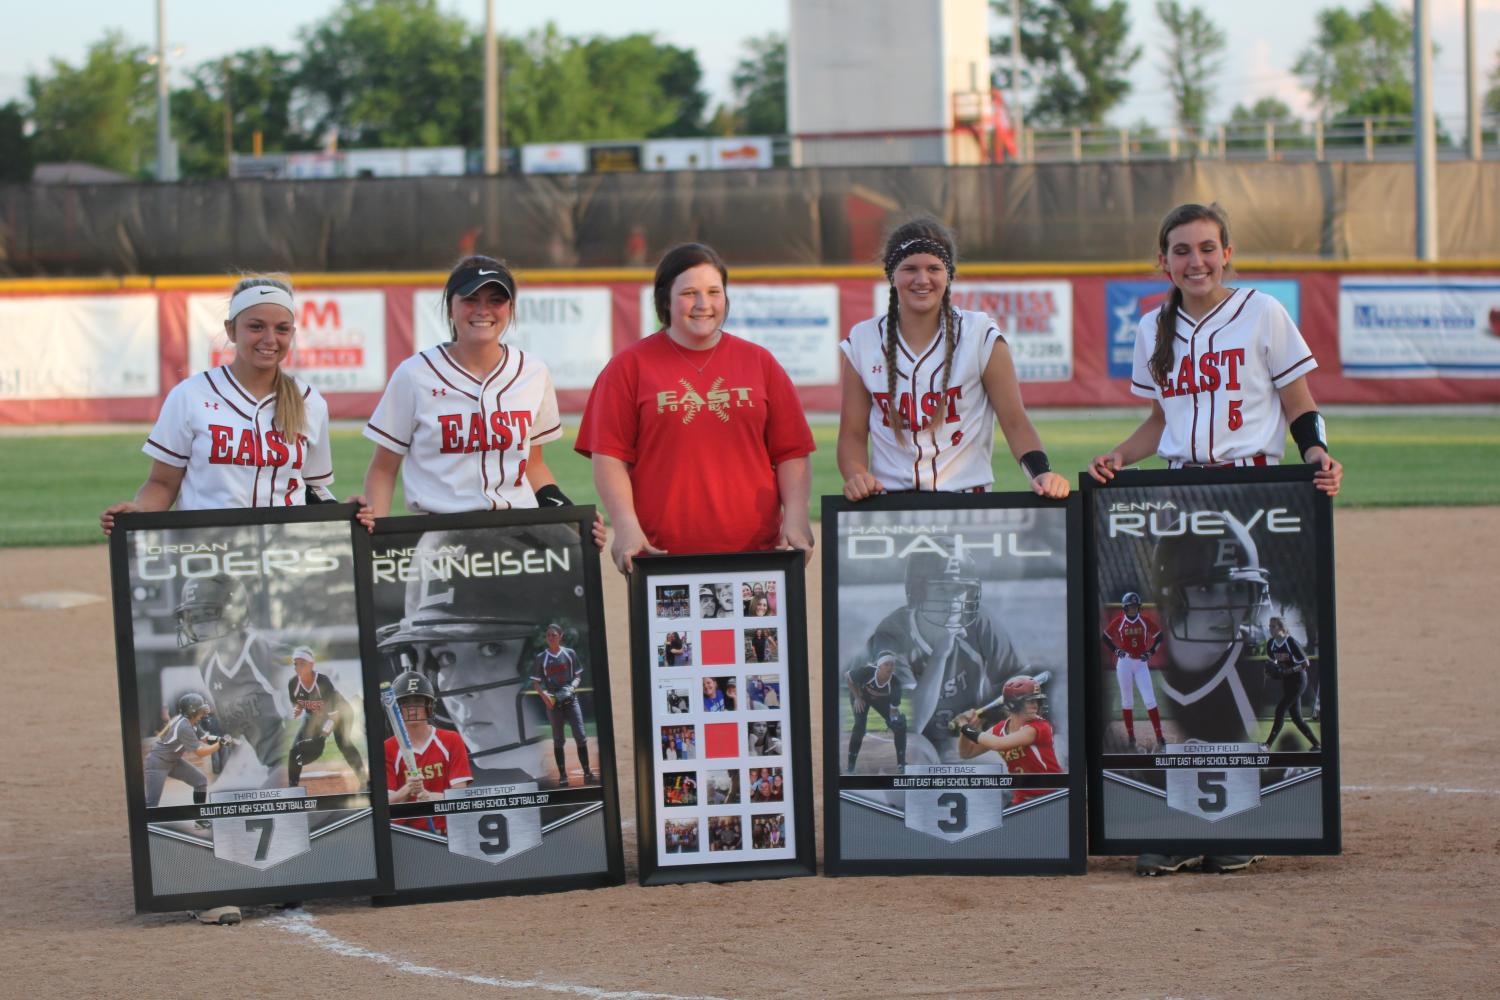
(301, 923)
(1429, 789)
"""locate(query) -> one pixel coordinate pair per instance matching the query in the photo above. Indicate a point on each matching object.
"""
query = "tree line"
(393, 73)
(381, 73)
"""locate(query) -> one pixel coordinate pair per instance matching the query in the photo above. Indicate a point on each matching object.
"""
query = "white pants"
(1127, 668)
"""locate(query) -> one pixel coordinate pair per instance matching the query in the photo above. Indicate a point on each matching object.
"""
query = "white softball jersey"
(954, 441)
(439, 416)
(1221, 398)
(227, 441)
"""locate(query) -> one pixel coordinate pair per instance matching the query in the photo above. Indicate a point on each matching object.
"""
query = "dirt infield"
(1405, 911)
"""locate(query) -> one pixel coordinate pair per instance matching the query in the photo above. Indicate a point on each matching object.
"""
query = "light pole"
(166, 154)
(491, 92)
(1427, 243)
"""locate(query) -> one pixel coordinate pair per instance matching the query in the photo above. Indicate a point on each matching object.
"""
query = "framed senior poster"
(246, 706)
(1213, 704)
(498, 748)
(952, 687)
(719, 686)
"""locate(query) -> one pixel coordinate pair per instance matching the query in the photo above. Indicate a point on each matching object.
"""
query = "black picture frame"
(125, 595)
(791, 667)
(597, 859)
(953, 859)
(1128, 504)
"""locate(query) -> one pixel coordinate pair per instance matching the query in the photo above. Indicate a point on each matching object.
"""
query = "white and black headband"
(255, 295)
(920, 244)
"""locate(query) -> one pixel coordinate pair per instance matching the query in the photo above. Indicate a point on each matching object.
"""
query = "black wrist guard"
(971, 733)
(1035, 463)
(1309, 431)
(551, 496)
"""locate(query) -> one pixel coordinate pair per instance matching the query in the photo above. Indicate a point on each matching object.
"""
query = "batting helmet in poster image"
(1212, 723)
(498, 754)
(952, 691)
(723, 757)
(244, 706)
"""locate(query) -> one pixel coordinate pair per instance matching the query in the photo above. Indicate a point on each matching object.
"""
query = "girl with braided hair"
(926, 382)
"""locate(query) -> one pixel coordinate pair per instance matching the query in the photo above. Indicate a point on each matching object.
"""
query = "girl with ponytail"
(247, 434)
(926, 382)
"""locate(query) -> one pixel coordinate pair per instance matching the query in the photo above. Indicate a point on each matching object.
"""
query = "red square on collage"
(717, 646)
(721, 739)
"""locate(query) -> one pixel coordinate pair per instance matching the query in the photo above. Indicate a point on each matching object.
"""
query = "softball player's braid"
(950, 339)
(892, 324)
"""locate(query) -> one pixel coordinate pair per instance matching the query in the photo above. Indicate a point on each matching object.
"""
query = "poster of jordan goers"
(497, 750)
(246, 706)
(723, 758)
(1213, 701)
(952, 685)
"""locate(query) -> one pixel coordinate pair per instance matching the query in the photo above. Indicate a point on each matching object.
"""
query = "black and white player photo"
(724, 833)
(679, 700)
(681, 836)
(672, 601)
(716, 600)
(763, 739)
(247, 695)
(722, 787)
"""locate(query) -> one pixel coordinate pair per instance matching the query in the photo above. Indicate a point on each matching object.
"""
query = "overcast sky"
(1265, 37)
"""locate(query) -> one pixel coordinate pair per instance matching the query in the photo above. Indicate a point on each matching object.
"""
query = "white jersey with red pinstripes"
(234, 456)
(465, 439)
(954, 443)
(1221, 397)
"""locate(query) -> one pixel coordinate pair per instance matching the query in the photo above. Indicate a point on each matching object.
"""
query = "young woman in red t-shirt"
(697, 437)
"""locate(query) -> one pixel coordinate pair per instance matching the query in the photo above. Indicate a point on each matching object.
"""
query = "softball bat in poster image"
(723, 759)
(244, 707)
(1213, 707)
(951, 702)
(498, 755)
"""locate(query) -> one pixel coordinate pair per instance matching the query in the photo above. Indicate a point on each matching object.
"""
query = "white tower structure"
(887, 81)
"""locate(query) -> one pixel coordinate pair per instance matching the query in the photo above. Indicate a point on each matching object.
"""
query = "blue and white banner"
(1125, 302)
(1419, 327)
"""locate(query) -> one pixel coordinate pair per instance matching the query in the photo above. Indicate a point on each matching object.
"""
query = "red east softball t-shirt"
(702, 446)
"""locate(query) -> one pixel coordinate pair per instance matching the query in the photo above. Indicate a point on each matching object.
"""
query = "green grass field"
(55, 485)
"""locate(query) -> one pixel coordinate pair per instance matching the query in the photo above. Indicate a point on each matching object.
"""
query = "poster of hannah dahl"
(952, 693)
(1213, 709)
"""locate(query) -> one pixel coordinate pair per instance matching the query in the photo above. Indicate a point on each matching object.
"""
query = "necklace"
(688, 362)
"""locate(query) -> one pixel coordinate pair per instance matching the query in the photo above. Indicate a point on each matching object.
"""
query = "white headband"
(258, 294)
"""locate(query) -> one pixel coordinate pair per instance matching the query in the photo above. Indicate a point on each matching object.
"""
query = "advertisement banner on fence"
(1125, 302)
(568, 328)
(797, 323)
(79, 347)
(1419, 328)
(1036, 318)
(340, 344)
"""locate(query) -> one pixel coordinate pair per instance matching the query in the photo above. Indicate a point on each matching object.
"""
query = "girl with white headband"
(246, 434)
(926, 382)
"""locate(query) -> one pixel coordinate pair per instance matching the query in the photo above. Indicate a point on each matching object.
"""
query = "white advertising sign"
(1419, 327)
(796, 323)
(675, 154)
(340, 343)
(554, 158)
(1036, 318)
(79, 347)
(740, 152)
(567, 328)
